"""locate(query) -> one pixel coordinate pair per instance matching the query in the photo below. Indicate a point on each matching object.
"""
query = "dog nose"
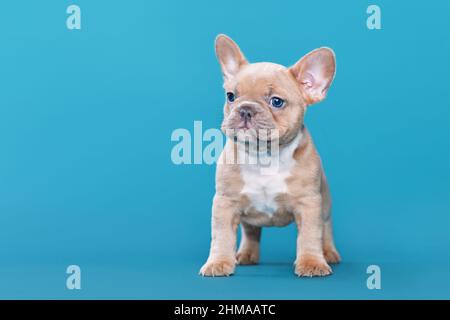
(246, 112)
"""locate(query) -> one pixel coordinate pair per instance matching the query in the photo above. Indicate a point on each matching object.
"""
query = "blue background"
(86, 118)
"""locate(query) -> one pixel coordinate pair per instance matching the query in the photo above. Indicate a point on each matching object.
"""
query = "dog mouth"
(251, 132)
(249, 125)
(252, 135)
(245, 125)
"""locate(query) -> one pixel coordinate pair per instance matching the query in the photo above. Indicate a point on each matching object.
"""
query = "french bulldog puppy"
(268, 96)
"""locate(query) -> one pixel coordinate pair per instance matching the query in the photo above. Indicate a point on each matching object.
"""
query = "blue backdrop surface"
(86, 118)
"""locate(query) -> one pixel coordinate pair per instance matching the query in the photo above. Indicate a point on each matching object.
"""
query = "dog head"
(268, 97)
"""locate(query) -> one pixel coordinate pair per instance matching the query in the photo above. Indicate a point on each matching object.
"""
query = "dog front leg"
(222, 255)
(310, 259)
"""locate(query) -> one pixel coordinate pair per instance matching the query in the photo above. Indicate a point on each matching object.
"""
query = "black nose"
(246, 112)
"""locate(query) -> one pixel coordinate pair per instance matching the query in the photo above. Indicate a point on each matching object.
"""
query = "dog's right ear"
(229, 55)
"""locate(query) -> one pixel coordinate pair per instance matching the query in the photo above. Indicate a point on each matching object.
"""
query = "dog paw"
(247, 257)
(218, 268)
(331, 255)
(312, 266)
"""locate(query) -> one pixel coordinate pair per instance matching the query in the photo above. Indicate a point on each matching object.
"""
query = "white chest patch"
(262, 185)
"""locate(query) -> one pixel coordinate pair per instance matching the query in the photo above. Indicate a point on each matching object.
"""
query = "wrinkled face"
(262, 97)
(267, 100)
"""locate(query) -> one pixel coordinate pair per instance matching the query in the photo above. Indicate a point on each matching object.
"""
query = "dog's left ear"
(314, 73)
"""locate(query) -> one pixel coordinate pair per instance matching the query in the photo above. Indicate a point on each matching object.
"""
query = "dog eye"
(230, 96)
(276, 102)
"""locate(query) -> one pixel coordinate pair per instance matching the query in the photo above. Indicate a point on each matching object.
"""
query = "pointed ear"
(314, 73)
(229, 55)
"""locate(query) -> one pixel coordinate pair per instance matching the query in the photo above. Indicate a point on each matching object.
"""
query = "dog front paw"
(312, 266)
(218, 268)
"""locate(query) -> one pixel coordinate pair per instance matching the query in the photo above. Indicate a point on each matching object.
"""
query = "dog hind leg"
(248, 252)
